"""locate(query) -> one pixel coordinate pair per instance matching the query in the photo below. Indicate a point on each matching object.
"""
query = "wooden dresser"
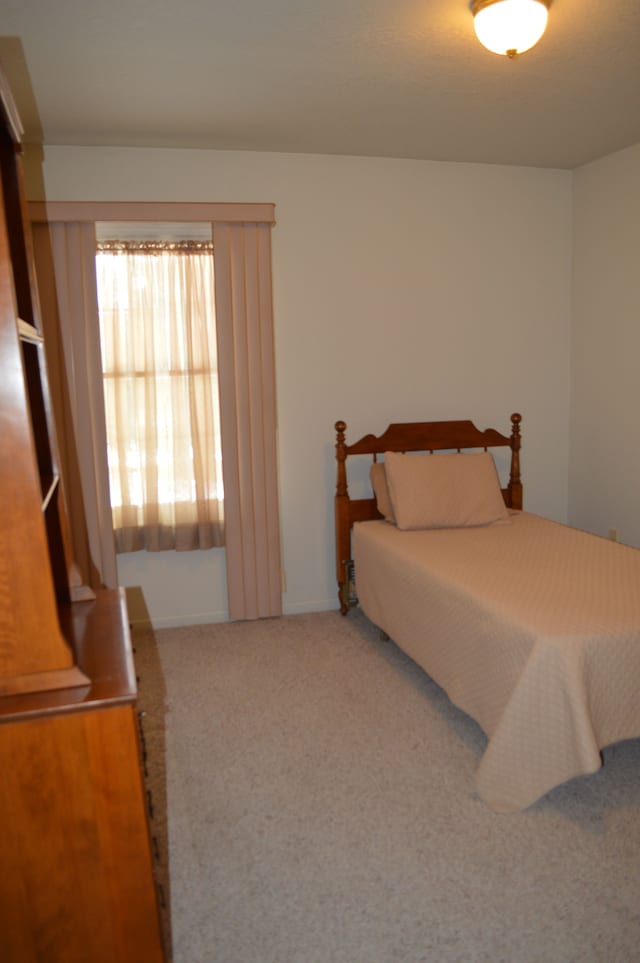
(76, 867)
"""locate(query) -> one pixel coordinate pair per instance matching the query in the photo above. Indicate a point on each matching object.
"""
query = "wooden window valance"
(79, 211)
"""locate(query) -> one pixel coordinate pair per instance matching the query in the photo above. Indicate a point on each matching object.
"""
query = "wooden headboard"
(410, 436)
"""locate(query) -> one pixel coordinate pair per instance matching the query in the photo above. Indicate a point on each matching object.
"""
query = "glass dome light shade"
(509, 27)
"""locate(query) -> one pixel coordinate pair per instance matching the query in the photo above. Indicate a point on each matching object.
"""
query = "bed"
(531, 627)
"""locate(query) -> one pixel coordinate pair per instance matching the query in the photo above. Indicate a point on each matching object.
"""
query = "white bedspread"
(531, 627)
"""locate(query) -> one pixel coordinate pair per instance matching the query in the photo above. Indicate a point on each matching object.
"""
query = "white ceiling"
(386, 78)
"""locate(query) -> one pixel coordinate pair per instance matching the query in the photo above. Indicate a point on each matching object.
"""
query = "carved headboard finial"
(341, 456)
(515, 484)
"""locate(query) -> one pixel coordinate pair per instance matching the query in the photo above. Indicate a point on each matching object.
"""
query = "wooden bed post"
(515, 484)
(343, 546)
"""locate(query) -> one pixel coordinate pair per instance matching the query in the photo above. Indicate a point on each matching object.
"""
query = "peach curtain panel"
(64, 235)
(248, 405)
(65, 267)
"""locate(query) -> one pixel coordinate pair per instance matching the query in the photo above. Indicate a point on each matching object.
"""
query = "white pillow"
(444, 491)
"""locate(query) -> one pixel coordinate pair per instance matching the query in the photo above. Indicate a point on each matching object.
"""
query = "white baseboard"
(175, 621)
(206, 618)
(298, 608)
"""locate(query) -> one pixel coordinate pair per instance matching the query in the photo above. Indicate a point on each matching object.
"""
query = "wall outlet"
(613, 534)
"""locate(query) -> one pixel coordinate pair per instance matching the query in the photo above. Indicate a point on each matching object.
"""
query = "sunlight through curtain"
(159, 360)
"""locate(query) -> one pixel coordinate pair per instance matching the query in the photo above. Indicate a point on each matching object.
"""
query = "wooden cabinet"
(76, 868)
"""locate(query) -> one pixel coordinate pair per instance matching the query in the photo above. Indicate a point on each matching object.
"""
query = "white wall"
(605, 356)
(403, 290)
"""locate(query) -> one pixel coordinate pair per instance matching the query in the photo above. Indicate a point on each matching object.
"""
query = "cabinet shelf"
(29, 333)
(49, 488)
(99, 632)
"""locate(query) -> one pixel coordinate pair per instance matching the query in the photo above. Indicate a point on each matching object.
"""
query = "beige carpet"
(316, 789)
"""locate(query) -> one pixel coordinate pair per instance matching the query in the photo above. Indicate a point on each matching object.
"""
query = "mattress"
(531, 627)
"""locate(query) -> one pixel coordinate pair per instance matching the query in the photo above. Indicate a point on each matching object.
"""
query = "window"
(65, 235)
(159, 360)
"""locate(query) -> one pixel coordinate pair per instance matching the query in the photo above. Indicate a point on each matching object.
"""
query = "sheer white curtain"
(159, 360)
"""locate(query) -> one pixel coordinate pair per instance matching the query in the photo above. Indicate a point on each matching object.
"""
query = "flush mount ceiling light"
(509, 27)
